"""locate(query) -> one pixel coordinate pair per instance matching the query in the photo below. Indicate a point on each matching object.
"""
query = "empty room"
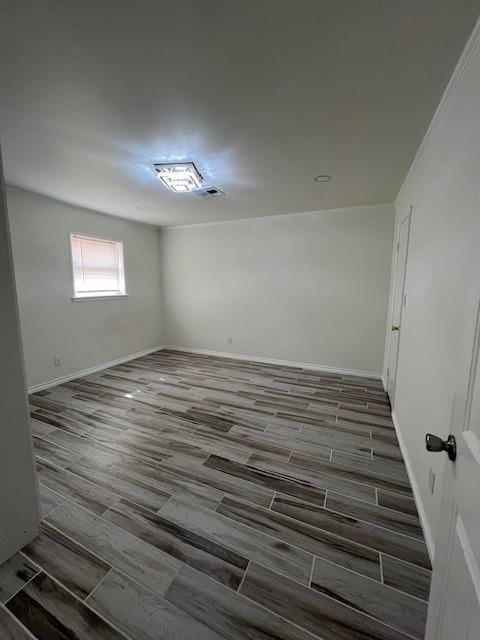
(240, 320)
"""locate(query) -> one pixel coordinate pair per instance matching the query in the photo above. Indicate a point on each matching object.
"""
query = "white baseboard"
(427, 532)
(86, 372)
(205, 352)
(384, 382)
(285, 363)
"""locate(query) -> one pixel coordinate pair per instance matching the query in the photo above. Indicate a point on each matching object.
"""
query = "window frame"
(89, 296)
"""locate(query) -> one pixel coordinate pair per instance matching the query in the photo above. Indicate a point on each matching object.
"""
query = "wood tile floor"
(197, 498)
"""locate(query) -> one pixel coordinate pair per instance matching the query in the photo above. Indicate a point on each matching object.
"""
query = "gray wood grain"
(53, 453)
(323, 476)
(49, 500)
(11, 628)
(320, 543)
(199, 552)
(58, 421)
(144, 615)
(390, 469)
(247, 448)
(249, 542)
(105, 446)
(116, 479)
(221, 481)
(406, 577)
(75, 567)
(264, 440)
(364, 476)
(388, 518)
(312, 611)
(150, 566)
(275, 480)
(248, 451)
(368, 418)
(411, 549)
(319, 448)
(402, 503)
(49, 612)
(172, 483)
(40, 429)
(404, 612)
(228, 614)
(211, 444)
(78, 489)
(14, 573)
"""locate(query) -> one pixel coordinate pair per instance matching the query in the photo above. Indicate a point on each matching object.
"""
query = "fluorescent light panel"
(179, 177)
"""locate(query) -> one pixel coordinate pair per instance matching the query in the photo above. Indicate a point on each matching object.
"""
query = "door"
(454, 612)
(401, 248)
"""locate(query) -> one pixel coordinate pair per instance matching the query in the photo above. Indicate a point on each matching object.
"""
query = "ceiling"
(263, 95)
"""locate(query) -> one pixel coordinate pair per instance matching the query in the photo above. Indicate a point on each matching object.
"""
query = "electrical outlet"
(431, 480)
(58, 361)
(230, 341)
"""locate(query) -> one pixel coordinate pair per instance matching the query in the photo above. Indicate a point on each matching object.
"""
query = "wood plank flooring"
(188, 497)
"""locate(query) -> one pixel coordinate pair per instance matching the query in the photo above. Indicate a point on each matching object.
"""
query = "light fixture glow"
(179, 177)
(143, 207)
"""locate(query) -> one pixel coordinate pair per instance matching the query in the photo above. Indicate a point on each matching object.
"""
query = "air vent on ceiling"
(210, 192)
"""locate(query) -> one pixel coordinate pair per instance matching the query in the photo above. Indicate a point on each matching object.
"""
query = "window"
(97, 267)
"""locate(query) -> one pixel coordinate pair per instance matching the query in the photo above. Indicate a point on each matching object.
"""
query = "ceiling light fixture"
(179, 177)
(143, 207)
(323, 178)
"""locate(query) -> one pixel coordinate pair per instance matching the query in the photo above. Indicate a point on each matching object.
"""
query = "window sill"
(90, 298)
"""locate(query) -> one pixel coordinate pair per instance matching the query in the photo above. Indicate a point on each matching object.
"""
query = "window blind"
(97, 266)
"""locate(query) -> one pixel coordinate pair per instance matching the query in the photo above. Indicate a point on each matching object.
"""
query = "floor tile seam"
(320, 488)
(26, 631)
(17, 591)
(78, 544)
(326, 509)
(379, 526)
(370, 504)
(102, 444)
(377, 473)
(342, 604)
(84, 603)
(378, 582)
(94, 553)
(378, 476)
(363, 546)
(92, 591)
(244, 575)
(210, 538)
(115, 495)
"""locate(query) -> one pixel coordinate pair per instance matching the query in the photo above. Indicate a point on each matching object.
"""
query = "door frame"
(19, 495)
(408, 218)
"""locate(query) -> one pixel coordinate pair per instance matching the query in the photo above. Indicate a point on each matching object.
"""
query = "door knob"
(434, 444)
(394, 328)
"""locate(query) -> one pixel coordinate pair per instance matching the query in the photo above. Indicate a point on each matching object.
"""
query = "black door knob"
(434, 443)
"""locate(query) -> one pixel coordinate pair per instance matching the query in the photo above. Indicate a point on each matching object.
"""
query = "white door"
(454, 612)
(401, 248)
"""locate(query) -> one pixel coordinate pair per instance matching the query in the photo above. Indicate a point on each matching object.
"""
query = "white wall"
(309, 288)
(19, 511)
(84, 333)
(442, 278)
